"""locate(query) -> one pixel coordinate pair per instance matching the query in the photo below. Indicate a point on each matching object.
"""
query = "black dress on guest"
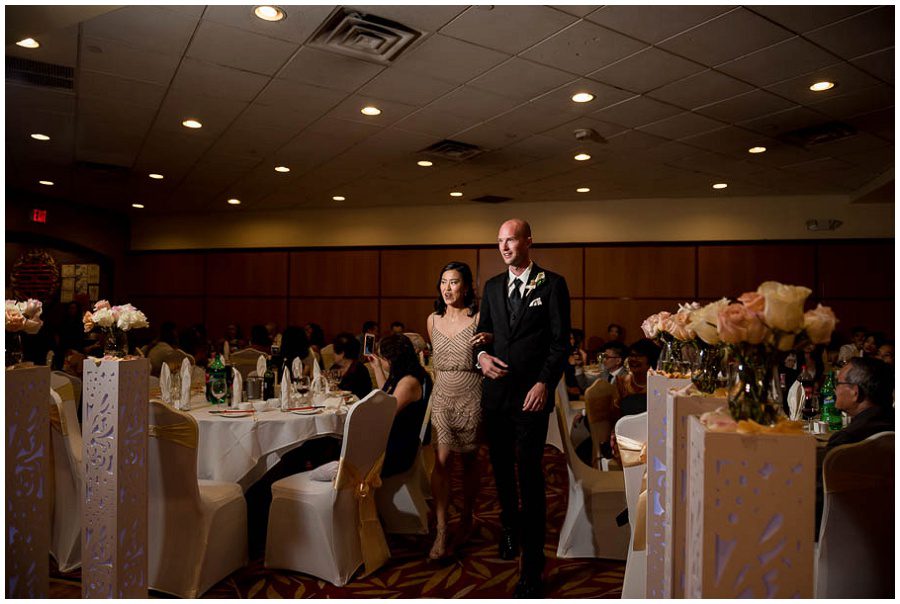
(357, 380)
(403, 441)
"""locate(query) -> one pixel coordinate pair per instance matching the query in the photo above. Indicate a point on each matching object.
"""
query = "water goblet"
(218, 387)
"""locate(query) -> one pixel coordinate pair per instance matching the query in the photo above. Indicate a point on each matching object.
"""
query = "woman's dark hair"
(469, 299)
(260, 335)
(316, 335)
(294, 343)
(345, 343)
(401, 354)
(578, 334)
(645, 348)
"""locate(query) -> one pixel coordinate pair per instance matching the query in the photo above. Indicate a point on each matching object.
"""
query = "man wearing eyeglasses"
(864, 391)
(612, 358)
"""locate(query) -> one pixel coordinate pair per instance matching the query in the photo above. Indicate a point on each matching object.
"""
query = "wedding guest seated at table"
(886, 353)
(274, 334)
(615, 333)
(234, 336)
(370, 327)
(259, 339)
(573, 372)
(354, 375)
(399, 373)
(295, 345)
(165, 350)
(632, 388)
(854, 348)
(612, 360)
(398, 327)
(873, 341)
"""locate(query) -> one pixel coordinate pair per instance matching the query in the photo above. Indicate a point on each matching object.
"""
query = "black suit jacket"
(535, 347)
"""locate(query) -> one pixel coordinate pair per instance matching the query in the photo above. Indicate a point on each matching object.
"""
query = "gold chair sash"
(183, 433)
(374, 546)
(634, 453)
(66, 392)
(57, 420)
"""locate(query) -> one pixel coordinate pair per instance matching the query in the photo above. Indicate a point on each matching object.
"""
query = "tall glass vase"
(754, 392)
(115, 342)
(670, 357)
(706, 367)
(14, 348)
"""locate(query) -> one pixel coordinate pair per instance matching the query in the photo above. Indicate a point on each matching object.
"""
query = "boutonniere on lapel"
(539, 278)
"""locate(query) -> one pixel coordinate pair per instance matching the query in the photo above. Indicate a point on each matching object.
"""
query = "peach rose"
(14, 320)
(819, 324)
(653, 324)
(88, 320)
(679, 325)
(719, 420)
(704, 322)
(101, 304)
(754, 301)
(737, 324)
(784, 305)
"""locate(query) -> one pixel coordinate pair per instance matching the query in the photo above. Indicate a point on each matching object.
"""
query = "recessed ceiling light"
(820, 86)
(583, 97)
(756, 150)
(456, 194)
(269, 13)
(139, 206)
(40, 137)
(234, 202)
(282, 169)
(583, 190)
(582, 157)
(156, 176)
(28, 43)
(424, 163)
(191, 123)
(48, 183)
(370, 110)
(339, 198)
(720, 185)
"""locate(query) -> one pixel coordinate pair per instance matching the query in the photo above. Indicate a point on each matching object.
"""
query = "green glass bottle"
(830, 413)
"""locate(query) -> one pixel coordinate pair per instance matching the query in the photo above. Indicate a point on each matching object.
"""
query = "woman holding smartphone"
(456, 400)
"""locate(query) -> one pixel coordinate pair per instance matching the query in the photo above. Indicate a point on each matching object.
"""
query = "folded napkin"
(238, 388)
(165, 384)
(185, 384)
(226, 350)
(285, 390)
(297, 368)
(796, 400)
(317, 372)
(261, 365)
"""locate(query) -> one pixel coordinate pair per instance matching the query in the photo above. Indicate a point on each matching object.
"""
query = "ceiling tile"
(822, 164)
(521, 80)
(845, 76)
(654, 23)
(406, 87)
(283, 95)
(113, 110)
(122, 59)
(566, 132)
(700, 89)
(329, 70)
(579, 10)
(549, 144)
(515, 125)
(349, 109)
(131, 92)
(150, 27)
(878, 64)
(247, 142)
(633, 139)
(778, 62)
(636, 111)
(582, 48)
(745, 106)
(729, 141)
(645, 70)
(215, 116)
(59, 47)
(426, 18)
(239, 48)
(509, 29)
(879, 123)
(726, 37)
(300, 23)
(472, 102)
(289, 120)
(784, 121)
(346, 131)
(681, 125)
(864, 33)
(435, 122)
(200, 78)
(800, 18)
(560, 99)
(857, 102)
(459, 61)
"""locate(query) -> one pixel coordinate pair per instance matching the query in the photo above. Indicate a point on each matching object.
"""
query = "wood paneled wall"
(340, 288)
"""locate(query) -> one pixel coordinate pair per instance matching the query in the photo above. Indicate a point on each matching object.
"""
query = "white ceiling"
(681, 93)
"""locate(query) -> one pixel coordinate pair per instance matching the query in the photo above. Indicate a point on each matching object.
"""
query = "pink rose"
(101, 304)
(14, 320)
(819, 324)
(679, 325)
(88, 320)
(753, 301)
(739, 324)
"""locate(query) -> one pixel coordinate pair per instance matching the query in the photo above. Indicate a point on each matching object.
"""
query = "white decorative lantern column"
(27, 470)
(751, 523)
(657, 387)
(678, 410)
(114, 526)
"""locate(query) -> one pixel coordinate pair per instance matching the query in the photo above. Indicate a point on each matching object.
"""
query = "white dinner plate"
(307, 412)
(236, 414)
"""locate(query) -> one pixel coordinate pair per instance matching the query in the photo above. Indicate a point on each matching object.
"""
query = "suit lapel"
(526, 298)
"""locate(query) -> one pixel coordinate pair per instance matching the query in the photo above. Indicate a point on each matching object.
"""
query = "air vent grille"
(492, 199)
(816, 135)
(37, 73)
(364, 36)
(455, 150)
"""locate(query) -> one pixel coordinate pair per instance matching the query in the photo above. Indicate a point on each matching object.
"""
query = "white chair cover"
(197, 529)
(401, 498)
(327, 354)
(595, 499)
(635, 586)
(76, 385)
(68, 483)
(244, 360)
(599, 402)
(855, 558)
(314, 527)
(554, 438)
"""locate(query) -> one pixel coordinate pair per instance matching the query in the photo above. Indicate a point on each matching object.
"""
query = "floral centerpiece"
(673, 333)
(755, 328)
(20, 317)
(115, 322)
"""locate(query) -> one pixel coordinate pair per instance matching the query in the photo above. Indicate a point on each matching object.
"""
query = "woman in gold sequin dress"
(456, 399)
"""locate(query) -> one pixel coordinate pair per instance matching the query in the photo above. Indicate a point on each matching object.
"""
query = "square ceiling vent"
(364, 36)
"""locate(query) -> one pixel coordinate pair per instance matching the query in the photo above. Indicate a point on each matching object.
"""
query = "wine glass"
(302, 385)
(218, 387)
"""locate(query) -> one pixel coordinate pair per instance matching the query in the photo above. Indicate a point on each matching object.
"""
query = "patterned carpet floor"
(474, 572)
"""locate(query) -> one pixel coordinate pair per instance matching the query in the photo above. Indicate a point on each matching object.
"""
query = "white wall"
(722, 219)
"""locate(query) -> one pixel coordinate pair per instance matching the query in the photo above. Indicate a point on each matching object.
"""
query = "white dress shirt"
(523, 279)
